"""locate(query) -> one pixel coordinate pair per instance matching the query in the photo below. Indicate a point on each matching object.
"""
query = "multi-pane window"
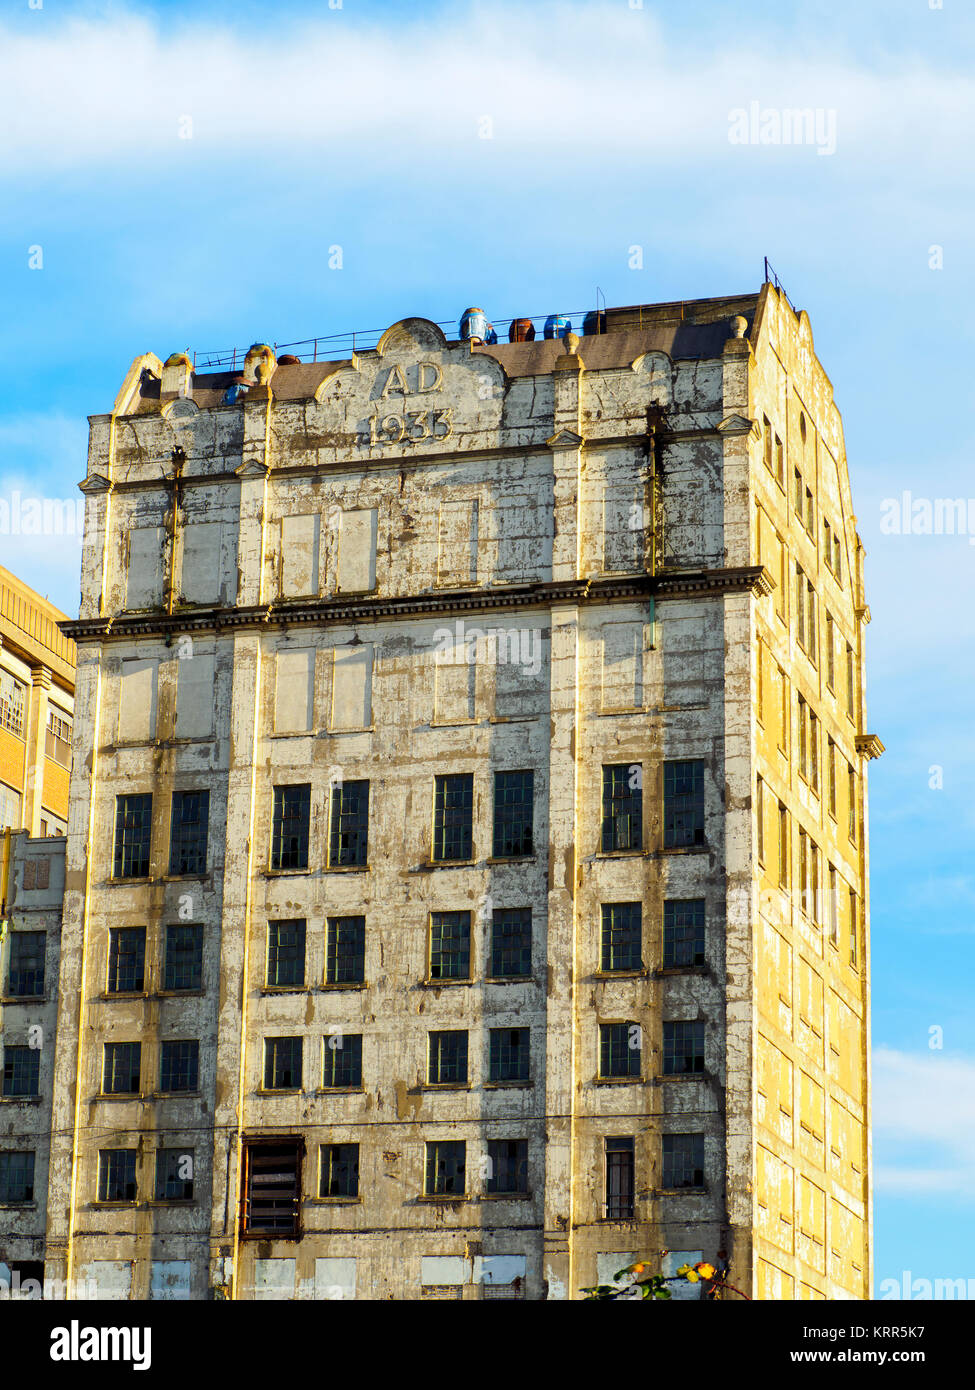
(26, 978)
(514, 800)
(511, 943)
(453, 817)
(188, 833)
(16, 1176)
(446, 1168)
(510, 1055)
(342, 1061)
(339, 1175)
(683, 932)
(620, 1050)
(21, 1071)
(683, 1048)
(58, 740)
(622, 936)
(179, 1065)
(289, 828)
(286, 953)
(683, 1160)
(683, 803)
(126, 960)
(174, 1175)
(183, 968)
(345, 952)
(620, 1183)
(282, 1064)
(13, 700)
(122, 1064)
(450, 945)
(348, 840)
(448, 1058)
(851, 796)
(272, 1187)
(507, 1165)
(622, 807)
(116, 1175)
(133, 832)
(783, 846)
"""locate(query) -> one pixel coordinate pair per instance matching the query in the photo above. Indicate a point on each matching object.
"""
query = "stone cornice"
(869, 746)
(752, 579)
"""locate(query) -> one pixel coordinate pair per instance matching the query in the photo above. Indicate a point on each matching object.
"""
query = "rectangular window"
(767, 442)
(180, 1066)
(810, 514)
(282, 1064)
(514, 801)
(116, 1175)
(507, 1165)
(289, 831)
(837, 558)
(803, 873)
(760, 817)
(783, 711)
(851, 794)
(780, 462)
(286, 953)
(683, 932)
(448, 1059)
(830, 652)
(453, 817)
(683, 803)
(849, 680)
(339, 1170)
(834, 907)
(446, 1168)
(174, 1175)
(272, 1187)
(26, 976)
(188, 833)
(760, 672)
(21, 1071)
(16, 1176)
(803, 741)
(827, 544)
(510, 1058)
(121, 1075)
(511, 943)
(184, 957)
(620, 1185)
(622, 807)
(342, 1065)
(58, 740)
(622, 938)
(450, 945)
(814, 752)
(783, 846)
(800, 606)
(133, 832)
(799, 494)
(620, 1052)
(811, 621)
(683, 1048)
(815, 905)
(345, 959)
(348, 841)
(13, 701)
(126, 960)
(831, 776)
(854, 930)
(683, 1161)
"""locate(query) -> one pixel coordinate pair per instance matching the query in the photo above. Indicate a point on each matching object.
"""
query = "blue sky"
(363, 126)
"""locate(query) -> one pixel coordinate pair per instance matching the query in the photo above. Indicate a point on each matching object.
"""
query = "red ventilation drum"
(521, 331)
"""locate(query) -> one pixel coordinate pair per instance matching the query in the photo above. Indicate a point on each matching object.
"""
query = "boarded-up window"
(195, 695)
(37, 874)
(520, 675)
(335, 1278)
(357, 551)
(274, 1279)
(522, 551)
(622, 657)
(299, 555)
(200, 578)
(170, 1280)
(457, 543)
(454, 681)
(623, 528)
(145, 576)
(137, 702)
(683, 660)
(294, 695)
(352, 687)
(107, 1279)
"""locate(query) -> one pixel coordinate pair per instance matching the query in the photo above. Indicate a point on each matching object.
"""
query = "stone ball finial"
(571, 341)
(739, 326)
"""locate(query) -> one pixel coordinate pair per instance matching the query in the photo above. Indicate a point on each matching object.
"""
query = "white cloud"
(924, 1109)
(325, 91)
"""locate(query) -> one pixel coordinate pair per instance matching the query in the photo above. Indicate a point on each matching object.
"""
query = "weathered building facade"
(467, 855)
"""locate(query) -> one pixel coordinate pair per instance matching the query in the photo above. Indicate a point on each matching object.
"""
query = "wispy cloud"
(924, 1123)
